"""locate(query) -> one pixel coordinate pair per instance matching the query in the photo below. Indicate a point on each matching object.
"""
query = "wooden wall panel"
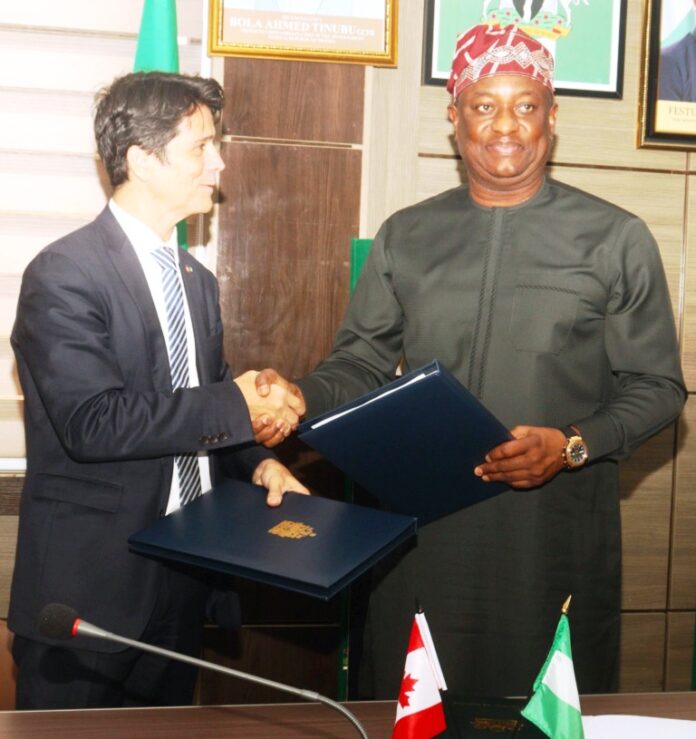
(434, 129)
(390, 147)
(290, 203)
(264, 605)
(302, 101)
(286, 222)
(689, 327)
(437, 174)
(683, 569)
(7, 670)
(8, 542)
(642, 656)
(299, 656)
(10, 493)
(645, 521)
(680, 645)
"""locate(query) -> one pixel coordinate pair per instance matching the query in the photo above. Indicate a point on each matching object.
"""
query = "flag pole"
(566, 606)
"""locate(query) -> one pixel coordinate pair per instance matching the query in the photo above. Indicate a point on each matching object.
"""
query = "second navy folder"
(413, 443)
(308, 544)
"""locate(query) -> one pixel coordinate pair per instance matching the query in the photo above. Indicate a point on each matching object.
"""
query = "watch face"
(576, 454)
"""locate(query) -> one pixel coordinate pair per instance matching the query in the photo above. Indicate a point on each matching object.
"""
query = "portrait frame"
(300, 35)
(662, 124)
(603, 43)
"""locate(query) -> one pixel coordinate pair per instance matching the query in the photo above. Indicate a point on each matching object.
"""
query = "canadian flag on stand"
(419, 712)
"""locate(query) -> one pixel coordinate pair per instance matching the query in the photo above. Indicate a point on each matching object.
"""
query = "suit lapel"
(122, 255)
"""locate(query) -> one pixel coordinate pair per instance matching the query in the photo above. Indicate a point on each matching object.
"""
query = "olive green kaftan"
(552, 312)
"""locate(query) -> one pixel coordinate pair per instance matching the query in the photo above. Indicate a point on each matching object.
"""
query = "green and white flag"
(158, 48)
(555, 706)
(158, 51)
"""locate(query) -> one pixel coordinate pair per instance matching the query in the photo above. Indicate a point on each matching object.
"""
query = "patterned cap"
(484, 51)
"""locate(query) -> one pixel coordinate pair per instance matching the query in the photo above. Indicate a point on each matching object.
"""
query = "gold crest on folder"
(292, 530)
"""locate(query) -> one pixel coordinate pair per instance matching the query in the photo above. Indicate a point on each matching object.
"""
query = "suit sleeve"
(64, 344)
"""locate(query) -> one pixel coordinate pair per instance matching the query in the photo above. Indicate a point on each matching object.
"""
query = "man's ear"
(140, 163)
(452, 113)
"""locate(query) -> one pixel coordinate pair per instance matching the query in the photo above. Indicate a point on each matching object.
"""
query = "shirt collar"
(141, 236)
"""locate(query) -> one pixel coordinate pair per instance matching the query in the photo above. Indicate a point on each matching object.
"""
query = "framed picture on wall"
(667, 117)
(586, 38)
(355, 31)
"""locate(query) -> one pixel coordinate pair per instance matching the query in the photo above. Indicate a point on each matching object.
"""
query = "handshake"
(275, 405)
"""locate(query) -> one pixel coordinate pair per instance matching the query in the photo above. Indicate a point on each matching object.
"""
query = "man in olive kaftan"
(551, 306)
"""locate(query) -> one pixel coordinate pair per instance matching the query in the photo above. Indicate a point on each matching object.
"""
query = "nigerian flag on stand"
(555, 706)
(158, 51)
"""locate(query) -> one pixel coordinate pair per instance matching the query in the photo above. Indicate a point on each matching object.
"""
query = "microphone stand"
(87, 629)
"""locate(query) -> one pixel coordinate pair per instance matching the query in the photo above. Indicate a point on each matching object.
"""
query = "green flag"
(555, 706)
(158, 51)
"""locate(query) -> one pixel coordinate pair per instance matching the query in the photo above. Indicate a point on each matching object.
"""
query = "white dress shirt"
(144, 241)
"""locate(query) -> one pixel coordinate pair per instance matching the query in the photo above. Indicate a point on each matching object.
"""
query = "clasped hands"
(275, 405)
(529, 460)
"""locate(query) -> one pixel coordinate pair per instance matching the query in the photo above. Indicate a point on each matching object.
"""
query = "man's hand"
(278, 480)
(269, 432)
(274, 414)
(266, 431)
(269, 377)
(532, 458)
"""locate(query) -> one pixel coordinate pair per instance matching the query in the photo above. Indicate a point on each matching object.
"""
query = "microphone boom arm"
(87, 629)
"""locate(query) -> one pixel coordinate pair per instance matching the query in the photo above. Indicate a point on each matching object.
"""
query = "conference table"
(291, 721)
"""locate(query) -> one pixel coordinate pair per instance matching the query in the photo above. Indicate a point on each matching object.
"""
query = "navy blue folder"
(413, 443)
(308, 544)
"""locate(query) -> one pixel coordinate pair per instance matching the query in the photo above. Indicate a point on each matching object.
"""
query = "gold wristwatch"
(574, 454)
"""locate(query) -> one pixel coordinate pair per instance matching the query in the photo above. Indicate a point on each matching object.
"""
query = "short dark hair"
(144, 109)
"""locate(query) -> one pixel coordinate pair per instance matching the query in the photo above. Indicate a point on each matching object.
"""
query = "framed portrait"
(586, 38)
(667, 111)
(354, 31)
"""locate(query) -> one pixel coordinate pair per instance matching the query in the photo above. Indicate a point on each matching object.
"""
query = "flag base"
(470, 717)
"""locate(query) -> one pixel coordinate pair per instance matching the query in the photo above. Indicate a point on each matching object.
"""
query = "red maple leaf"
(407, 686)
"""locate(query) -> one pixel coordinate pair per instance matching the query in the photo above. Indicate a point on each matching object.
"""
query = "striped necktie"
(186, 464)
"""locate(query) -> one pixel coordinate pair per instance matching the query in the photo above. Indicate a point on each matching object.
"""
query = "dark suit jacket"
(102, 425)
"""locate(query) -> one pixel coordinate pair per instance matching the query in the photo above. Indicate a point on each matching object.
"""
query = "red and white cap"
(485, 51)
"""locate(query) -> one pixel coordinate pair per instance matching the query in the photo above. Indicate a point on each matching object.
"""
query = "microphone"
(58, 621)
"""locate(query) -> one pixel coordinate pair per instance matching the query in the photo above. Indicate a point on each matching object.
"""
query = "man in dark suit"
(130, 409)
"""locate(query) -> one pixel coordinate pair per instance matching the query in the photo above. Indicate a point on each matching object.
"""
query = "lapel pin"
(188, 268)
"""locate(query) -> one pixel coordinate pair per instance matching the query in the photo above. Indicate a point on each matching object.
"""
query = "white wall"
(54, 55)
